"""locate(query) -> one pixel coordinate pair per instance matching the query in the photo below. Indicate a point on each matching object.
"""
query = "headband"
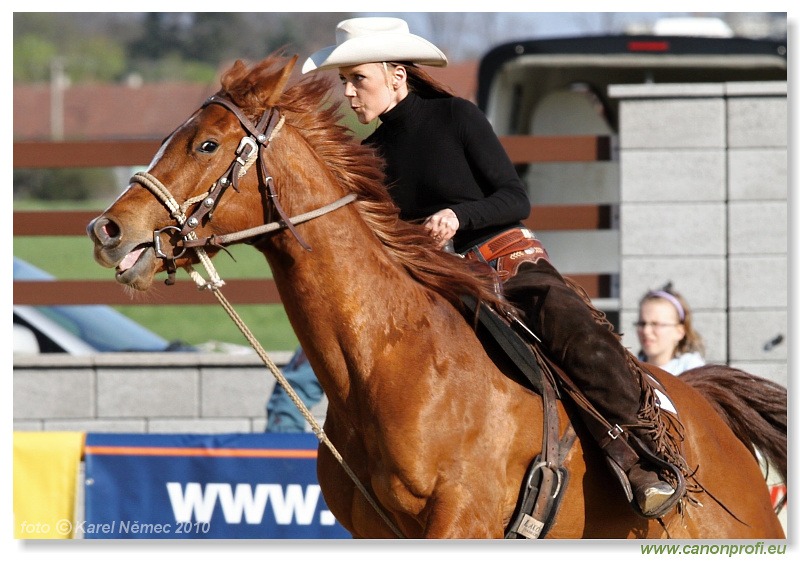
(670, 298)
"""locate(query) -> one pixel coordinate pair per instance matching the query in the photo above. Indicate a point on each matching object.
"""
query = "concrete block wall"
(758, 217)
(145, 393)
(703, 203)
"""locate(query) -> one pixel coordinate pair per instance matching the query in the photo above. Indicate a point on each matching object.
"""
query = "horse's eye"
(208, 146)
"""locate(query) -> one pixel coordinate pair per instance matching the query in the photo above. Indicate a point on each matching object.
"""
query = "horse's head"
(203, 181)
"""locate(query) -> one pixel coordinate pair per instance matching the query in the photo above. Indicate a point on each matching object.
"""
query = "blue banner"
(187, 486)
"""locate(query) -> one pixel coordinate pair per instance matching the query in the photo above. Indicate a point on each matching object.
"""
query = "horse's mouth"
(136, 264)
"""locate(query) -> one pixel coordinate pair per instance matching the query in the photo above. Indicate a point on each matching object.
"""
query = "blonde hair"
(692, 341)
(422, 83)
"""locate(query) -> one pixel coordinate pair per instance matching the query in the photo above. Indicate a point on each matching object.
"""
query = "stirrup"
(633, 447)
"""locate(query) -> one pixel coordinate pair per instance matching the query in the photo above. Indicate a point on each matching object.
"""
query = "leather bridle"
(251, 148)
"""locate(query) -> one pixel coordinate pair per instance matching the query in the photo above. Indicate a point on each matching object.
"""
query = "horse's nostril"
(105, 230)
(111, 229)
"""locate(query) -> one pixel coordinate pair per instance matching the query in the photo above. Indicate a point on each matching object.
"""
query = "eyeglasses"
(654, 324)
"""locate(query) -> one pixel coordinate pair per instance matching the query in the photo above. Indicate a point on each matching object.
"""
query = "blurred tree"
(93, 58)
(47, 25)
(192, 46)
(174, 68)
(71, 184)
(32, 57)
(88, 54)
(301, 33)
(211, 40)
(96, 58)
(213, 37)
(159, 36)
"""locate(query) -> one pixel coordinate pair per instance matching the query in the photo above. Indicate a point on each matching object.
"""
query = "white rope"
(277, 128)
(177, 211)
(284, 383)
(248, 163)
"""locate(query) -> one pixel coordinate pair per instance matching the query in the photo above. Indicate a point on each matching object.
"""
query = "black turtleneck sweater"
(443, 153)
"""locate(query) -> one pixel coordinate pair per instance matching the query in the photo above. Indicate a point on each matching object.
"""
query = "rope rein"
(178, 212)
(315, 426)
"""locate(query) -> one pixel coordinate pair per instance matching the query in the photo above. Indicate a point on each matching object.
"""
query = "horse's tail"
(754, 408)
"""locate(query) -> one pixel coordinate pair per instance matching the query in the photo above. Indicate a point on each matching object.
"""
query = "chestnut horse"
(439, 432)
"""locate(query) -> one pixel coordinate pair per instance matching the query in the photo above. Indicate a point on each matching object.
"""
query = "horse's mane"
(309, 110)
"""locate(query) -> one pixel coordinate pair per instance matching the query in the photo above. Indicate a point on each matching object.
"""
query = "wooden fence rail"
(105, 153)
(76, 154)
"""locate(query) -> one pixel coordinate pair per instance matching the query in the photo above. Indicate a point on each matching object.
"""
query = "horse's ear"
(282, 80)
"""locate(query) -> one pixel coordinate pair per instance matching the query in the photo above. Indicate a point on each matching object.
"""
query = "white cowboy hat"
(361, 40)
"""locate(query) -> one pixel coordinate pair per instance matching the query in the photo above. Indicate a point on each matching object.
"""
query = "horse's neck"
(344, 297)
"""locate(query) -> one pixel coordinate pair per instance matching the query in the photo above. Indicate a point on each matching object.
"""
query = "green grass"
(199, 324)
(70, 258)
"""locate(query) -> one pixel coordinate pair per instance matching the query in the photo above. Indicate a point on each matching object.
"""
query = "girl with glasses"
(666, 334)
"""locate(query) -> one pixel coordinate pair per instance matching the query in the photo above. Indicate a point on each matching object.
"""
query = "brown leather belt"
(507, 250)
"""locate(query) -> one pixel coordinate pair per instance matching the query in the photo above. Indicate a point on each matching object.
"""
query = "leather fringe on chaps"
(662, 427)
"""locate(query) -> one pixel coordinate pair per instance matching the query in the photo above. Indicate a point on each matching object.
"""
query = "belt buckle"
(615, 432)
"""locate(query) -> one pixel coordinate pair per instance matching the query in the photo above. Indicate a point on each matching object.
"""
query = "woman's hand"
(442, 226)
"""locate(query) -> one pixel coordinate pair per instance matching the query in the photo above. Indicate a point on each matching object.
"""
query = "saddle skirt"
(664, 401)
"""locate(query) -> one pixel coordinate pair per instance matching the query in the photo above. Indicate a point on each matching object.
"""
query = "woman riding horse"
(434, 433)
(447, 169)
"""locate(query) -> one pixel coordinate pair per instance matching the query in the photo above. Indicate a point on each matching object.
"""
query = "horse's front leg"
(453, 514)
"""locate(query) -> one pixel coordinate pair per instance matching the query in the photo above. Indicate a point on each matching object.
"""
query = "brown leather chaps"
(591, 354)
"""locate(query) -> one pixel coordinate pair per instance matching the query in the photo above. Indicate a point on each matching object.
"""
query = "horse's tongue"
(129, 260)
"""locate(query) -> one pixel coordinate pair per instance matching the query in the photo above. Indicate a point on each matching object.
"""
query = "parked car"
(80, 330)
